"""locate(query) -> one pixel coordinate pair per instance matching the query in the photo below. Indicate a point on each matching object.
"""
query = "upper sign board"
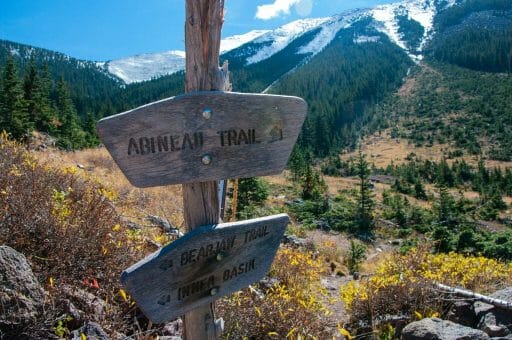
(204, 136)
(204, 265)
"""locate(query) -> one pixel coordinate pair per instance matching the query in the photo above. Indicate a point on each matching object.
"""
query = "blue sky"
(109, 29)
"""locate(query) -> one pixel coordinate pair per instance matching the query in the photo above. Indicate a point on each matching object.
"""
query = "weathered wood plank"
(204, 265)
(171, 141)
(203, 25)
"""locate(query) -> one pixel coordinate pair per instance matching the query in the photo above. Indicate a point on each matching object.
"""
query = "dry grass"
(134, 203)
(382, 150)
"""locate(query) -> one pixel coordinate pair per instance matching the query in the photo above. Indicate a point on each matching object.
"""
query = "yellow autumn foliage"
(290, 308)
(402, 284)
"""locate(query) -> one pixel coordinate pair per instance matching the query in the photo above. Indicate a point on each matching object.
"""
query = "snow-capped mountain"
(153, 65)
(256, 46)
(147, 66)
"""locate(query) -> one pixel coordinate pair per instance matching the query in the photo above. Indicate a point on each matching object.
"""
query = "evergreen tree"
(419, 190)
(445, 208)
(13, 109)
(297, 162)
(251, 191)
(312, 184)
(365, 201)
(70, 134)
(37, 86)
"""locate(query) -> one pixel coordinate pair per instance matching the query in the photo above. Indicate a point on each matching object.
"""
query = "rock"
(173, 329)
(495, 321)
(133, 226)
(462, 313)
(175, 232)
(268, 282)
(160, 222)
(91, 330)
(295, 241)
(323, 225)
(437, 329)
(76, 314)
(86, 301)
(21, 295)
(329, 284)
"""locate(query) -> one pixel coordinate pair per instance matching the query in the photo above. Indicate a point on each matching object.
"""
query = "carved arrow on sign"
(204, 265)
(204, 136)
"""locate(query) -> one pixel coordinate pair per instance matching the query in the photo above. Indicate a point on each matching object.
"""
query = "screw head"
(213, 291)
(207, 113)
(206, 159)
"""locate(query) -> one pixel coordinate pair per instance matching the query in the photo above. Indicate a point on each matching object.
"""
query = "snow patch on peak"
(385, 16)
(230, 43)
(329, 31)
(282, 36)
(422, 11)
(147, 66)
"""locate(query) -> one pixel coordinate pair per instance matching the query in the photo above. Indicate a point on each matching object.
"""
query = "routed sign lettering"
(204, 136)
(205, 264)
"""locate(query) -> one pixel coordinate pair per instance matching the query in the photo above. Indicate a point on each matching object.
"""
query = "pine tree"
(445, 208)
(37, 86)
(365, 201)
(70, 134)
(297, 162)
(13, 109)
(313, 185)
(419, 190)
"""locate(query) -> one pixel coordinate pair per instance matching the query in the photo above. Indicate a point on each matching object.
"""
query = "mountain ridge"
(270, 42)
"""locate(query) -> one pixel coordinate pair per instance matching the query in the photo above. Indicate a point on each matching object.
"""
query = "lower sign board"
(204, 136)
(205, 264)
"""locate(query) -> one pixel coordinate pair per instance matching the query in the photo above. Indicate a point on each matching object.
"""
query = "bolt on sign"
(204, 265)
(204, 136)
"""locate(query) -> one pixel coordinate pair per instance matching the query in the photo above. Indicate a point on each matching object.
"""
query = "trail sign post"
(204, 136)
(197, 139)
(204, 265)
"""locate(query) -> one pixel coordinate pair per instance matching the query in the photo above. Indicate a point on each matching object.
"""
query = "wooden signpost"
(204, 265)
(204, 136)
(197, 139)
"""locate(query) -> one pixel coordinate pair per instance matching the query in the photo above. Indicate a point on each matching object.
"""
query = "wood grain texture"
(165, 142)
(204, 265)
(203, 26)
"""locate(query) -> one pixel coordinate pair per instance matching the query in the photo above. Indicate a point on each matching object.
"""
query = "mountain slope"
(475, 34)
(154, 65)
(89, 83)
(408, 24)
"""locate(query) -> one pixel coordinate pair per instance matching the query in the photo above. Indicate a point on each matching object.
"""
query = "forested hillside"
(475, 34)
(445, 104)
(340, 84)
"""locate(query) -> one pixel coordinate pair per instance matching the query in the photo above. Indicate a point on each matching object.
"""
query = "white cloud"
(279, 7)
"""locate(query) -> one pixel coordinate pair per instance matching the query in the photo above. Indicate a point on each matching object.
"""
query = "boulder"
(495, 321)
(462, 312)
(437, 329)
(85, 301)
(21, 295)
(91, 330)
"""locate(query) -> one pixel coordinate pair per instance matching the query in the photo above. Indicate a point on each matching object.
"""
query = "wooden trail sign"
(207, 263)
(204, 136)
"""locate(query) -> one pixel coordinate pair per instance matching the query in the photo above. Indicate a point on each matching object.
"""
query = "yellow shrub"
(402, 284)
(288, 309)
